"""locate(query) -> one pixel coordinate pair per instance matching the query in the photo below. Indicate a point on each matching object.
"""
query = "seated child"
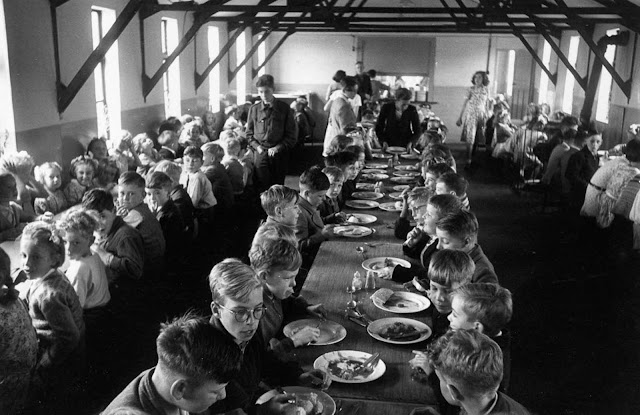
(237, 306)
(195, 181)
(83, 170)
(86, 271)
(54, 308)
(339, 143)
(107, 175)
(454, 184)
(12, 218)
(436, 153)
(195, 364)
(431, 173)
(142, 146)
(49, 174)
(413, 202)
(170, 147)
(119, 246)
(136, 213)
(280, 203)
(310, 230)
(233, 166)
(158, 186)
(246, 158)
(330, 209)
(345, 161)
(179, 196)
(486, 308)
(469, 366)
(360, 157)
(212, 155)
(274, 230)
(97, 149)
(21, 164)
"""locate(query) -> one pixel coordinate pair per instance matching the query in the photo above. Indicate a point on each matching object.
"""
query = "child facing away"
(12, 218)
(86, 272)
(178, 194)
(347, 162)
(456, 185)
(194, 366)
(330, 208)
(469, 367)
(49, 174)
(237, 306)
(277, 262)
(21, 165)
(54, 308)
(212, 155)
(233, 166)
(83, 170)
(310, 230)
(280, 203)
(136, 213)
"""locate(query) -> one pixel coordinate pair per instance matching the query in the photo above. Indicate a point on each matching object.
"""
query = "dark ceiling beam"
(401, 19)
(534, 54)
(200, 77)
(252, 51)
(419, 30)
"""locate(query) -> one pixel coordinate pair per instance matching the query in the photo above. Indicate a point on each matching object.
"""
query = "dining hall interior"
(319, 207)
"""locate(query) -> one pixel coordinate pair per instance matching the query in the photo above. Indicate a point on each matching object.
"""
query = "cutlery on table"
(368, 364)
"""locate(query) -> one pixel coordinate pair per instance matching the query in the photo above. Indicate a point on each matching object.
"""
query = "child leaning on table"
(345, 161)
(195, 364)
(276, 262)
(329, 208)
(12, 218)
(49, 174)
(414, 202)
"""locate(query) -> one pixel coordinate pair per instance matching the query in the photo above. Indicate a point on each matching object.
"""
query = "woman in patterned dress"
(473, 115)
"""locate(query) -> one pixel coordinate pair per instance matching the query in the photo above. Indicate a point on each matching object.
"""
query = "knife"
(357, 321)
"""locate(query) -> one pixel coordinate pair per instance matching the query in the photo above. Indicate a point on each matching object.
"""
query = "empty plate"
(403, 302)
(406, 167)
(362, 204)
(352, 231)
(367, 195)
(330, 331)
(360, 219)
(391, 206)
(376, 264)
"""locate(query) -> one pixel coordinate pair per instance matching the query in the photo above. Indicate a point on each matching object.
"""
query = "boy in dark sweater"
(178, 194)
(330, 208)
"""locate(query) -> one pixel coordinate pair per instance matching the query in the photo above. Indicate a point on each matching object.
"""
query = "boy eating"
(330, 208)
(195, 364)
(414, 204)
(453, 183)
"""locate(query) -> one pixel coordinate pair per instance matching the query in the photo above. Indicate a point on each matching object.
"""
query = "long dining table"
(395, 392)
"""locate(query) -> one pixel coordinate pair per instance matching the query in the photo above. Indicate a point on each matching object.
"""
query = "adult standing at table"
(341, 115)
(398, 123)
(473, 115)
(364, 83)
(272, 132)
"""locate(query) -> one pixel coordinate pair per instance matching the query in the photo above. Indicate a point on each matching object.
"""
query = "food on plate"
(398, 205)
(383, 294)
(398, 329)
(348, 369)
(387, 263)
(354, 231)
(305, 404)
(353, 219)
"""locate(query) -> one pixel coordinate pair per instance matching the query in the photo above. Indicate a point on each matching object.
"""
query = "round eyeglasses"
(242, 316)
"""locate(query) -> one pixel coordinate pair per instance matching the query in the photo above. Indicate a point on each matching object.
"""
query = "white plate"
(390, 207)
(330, 331)
(404, 302)
(376, 166)
(381, 156)
(378, 327)
(332, 358)
(410, 156)
(367, 195)
(395, 195)
(396, 150)
(329, 405)
(352, 231)
(405, 167)
(406, 173)
(376, 264)
(375, 176)
(365, 186)
(362, 219)
(403, 179)
(362, 204)
(374, 171)
(400, 187)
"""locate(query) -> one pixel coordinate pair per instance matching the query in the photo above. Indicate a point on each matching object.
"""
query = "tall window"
(106, 75)
(604, 89)
(171, 78)
(567, 98)
(262, 54)
(7, 123)
(241, 76)
(511, 67)
(544, 79)
(213, 37)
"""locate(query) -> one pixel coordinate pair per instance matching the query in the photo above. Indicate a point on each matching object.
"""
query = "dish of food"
(405, 167)
(381, 156)
(367, 195)
(401, 302)
(365, 186)
(360, 219)
(400, 187)
(374, 171)
(330, 331)
(376, 264)
(395, 195)
(410, 156)
(308, 401)
(376, 166)
(403, 179)
(352, 231)
(396, 150)
(362, 204)
(389, 329)
(345, 366)
(391, 206)
(375, 176)
(406, 173)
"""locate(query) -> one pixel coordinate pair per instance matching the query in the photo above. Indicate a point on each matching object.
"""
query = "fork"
(373, 245)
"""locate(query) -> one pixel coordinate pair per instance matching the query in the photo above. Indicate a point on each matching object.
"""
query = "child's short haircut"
(108, 163)
(314, 179)
(445, 204)
(334, 173)
(490, 304)
(462, 224)
(232, 279)
(171, 169)
(159, 180)
(192, 347)
(439, 169)
(78, 221)
(137, 142)
(448, 267)
(94, 141)
(131, 178)
(227, 135)
(193, 152)
(45, 234)
(470, 359)
(214, 149)
(41, 169)
(341, 159)
(265, 81)
(339, 143)
(418, 199)
(166, 137)
(232, 147)
(277, 195)
(273, 255)
(454, 182)
(82, 161)
(98, 200)
(274, 230)
(355, 149)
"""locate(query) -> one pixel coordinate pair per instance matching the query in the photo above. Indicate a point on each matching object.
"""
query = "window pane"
(241, 77)
(567, 99)
(604, 88)
(214, 76)
(544, 79)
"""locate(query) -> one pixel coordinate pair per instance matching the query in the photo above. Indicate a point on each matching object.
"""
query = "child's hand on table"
(275, 405)
(341, 216)
(305, 336)
(327, 231)
(312, 378)
(420, 361)
(317, 310)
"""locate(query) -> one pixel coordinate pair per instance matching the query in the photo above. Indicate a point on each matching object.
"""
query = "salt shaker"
(370, 283)
(390, 163)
